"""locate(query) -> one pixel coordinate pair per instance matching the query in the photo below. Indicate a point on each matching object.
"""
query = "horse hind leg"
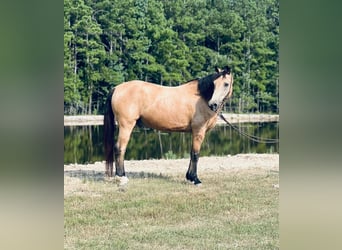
(120, 150)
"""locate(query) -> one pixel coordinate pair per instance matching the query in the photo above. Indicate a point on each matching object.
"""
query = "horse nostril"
(213, 107)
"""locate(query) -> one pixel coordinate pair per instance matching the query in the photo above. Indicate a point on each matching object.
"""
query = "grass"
(234, 210)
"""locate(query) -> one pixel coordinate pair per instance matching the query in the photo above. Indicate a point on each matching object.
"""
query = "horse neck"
(191, 86)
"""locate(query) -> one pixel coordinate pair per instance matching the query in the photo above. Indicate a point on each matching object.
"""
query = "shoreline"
(211, 164)
(83, 120)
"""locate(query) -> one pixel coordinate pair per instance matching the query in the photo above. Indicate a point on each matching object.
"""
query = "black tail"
(109, 129)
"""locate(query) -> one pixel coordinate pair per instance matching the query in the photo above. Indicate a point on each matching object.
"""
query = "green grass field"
(231, 210)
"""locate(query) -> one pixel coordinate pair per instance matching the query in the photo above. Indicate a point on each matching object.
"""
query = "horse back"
(159, 107)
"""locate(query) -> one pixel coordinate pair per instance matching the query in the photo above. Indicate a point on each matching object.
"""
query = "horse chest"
(212, 123)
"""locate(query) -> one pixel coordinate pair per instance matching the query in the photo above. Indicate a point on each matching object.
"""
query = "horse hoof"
(121, 180)
(193, 179)
(197, 182)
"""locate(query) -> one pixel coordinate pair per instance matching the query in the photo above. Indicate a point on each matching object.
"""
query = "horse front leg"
(191, 175)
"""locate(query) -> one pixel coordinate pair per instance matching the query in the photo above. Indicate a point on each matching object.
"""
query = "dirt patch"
(212, 163)
(75, 175)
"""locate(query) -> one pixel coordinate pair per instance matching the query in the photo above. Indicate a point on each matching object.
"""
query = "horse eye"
(226, 84)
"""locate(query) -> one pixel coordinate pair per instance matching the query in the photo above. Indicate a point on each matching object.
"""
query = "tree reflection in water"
(84, 144)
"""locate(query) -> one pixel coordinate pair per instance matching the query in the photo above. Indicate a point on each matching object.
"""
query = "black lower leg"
(191, 175)
(120, 171)
(119, 164)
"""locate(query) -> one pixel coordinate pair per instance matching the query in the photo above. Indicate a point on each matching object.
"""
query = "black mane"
(206, 86)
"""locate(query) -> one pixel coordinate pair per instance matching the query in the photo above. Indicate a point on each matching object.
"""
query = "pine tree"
(107, 42)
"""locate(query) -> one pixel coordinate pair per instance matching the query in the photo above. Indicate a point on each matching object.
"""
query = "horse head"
(223, 88)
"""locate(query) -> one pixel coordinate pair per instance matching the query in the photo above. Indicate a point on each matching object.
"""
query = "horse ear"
(226, 70)
(217, 69)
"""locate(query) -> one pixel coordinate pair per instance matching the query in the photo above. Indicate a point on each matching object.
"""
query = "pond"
(84, 144)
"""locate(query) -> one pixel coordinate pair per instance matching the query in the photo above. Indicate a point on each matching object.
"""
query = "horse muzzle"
(213, 106)
(216, 105)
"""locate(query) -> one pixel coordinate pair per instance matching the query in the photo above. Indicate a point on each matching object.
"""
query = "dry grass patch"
(231, 210)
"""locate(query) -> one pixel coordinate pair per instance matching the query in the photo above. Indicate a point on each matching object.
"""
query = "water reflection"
(84, 144)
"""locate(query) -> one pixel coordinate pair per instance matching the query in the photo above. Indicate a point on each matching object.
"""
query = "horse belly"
(166, 122)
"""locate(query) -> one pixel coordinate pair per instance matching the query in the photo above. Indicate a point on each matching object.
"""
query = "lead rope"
(251, 137)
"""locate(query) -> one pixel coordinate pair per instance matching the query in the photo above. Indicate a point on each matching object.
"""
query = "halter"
(224, 99)
(218, 110)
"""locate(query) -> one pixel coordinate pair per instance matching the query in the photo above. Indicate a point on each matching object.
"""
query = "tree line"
(166, 42)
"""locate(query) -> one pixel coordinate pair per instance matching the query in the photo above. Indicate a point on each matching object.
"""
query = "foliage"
(107, 42)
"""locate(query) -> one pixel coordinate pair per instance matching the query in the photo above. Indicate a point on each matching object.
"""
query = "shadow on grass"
(99, 176)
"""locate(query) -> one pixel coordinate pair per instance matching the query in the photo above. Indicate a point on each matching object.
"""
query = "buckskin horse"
(190, 107)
